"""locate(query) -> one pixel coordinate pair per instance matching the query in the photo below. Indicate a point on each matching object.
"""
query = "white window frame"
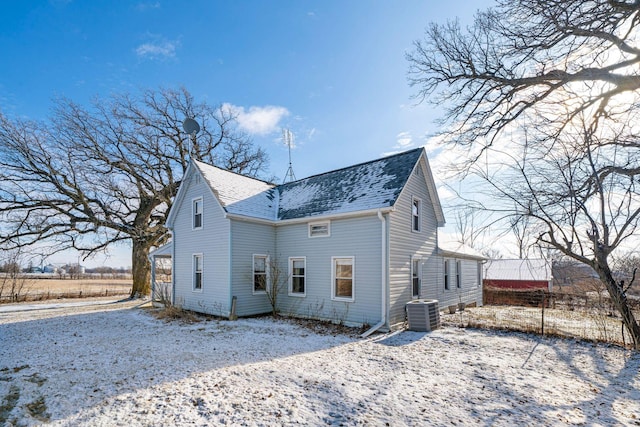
(266, 273)
(415, 216)
(415, 259)
(447, 275)
(335, 297)
(326, 224)
(291, 275)
(458, 274)
(479, 273)
(194, 269)
(194, 212)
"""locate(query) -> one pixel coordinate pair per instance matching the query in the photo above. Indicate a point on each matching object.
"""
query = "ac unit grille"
(423, 316)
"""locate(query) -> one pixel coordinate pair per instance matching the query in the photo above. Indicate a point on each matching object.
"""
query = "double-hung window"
(446, 274)
(343, 278)
(197, 272)
(297, 276)
(197, 213)
(415, 214)
(260, 276)
(458, 274)
(415, 277)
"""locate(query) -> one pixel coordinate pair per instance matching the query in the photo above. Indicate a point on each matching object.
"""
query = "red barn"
(518, 274)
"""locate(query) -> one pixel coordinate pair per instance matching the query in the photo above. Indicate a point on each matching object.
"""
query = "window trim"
(334, 297)
(194, 271)
(414, 216)
(415, 259)
(304, 276)
(267, 284)
(194, 213)
(447, 278)
(458, 274)
(316, 223)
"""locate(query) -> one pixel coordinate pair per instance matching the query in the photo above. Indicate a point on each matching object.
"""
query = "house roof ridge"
(351, 166)
(199, 162)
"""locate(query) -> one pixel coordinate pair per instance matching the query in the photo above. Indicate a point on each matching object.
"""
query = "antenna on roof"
(287, 136)
(191, 127)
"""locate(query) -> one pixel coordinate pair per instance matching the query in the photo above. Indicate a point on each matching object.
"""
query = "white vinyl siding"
(297, 276)
(357, 237)
(212, 242)
(470, 290)
(343, 278)
(248, 239)
(405, 243)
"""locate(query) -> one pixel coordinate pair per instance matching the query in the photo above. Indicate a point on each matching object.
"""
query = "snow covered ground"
(113, 363)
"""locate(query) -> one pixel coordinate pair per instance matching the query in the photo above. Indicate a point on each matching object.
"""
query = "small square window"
(320, 229)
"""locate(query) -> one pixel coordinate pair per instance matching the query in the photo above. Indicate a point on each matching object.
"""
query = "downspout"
(173, 267)
(383, 276)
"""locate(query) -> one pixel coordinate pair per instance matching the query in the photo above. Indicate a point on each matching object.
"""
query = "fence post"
(544, 297)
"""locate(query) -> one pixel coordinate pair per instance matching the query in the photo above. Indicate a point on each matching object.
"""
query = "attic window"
(320, 229)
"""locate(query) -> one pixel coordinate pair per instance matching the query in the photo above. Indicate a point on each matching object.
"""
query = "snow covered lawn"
(115, 364)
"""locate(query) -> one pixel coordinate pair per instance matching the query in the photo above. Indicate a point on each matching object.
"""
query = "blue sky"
(333, 72)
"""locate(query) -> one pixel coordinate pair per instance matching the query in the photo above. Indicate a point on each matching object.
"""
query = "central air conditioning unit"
(423, 315)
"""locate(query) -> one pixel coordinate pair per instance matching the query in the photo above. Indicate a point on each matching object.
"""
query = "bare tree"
(544, 97)
(627, 271)
(13, 283)
(273, 281)
(91, 178)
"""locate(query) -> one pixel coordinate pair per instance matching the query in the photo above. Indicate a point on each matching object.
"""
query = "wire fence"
(589, 316)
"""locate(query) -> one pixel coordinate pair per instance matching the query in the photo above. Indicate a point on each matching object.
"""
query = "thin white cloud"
(258, 120)
(158, 48)
(144, 6)
(404, 140)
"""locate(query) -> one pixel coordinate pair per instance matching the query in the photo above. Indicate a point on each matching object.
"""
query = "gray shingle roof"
(371, 185)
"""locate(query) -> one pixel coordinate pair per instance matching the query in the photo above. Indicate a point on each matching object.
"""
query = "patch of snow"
(118, 365)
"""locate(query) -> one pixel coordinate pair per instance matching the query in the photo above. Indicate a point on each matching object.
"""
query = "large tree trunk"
(619, 299)
(141, 269)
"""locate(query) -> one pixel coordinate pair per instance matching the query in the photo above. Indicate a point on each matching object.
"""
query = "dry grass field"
(44, 289)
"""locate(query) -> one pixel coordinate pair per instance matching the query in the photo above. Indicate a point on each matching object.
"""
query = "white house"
(355, 244)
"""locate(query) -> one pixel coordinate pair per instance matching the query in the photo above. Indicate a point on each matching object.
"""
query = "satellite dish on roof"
(190, 126)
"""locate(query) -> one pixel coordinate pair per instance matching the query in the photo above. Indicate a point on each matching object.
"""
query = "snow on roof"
(371, 185)
(451, 247)
(518, 269)
(239, 194)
